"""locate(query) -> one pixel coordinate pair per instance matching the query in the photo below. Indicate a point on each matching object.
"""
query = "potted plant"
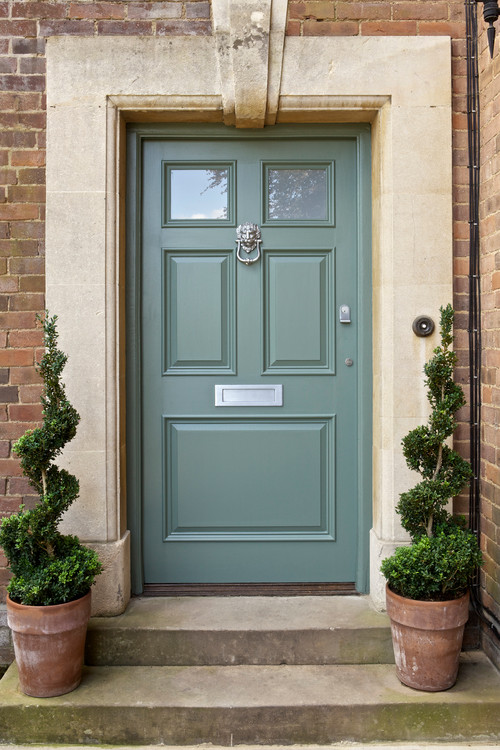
(48, 605)
(427, 581)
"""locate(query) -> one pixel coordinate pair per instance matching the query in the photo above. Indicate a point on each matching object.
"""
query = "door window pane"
(297, 194)
(199, 194)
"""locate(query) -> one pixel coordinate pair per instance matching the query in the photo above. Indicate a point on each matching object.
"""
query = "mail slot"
(249, 395)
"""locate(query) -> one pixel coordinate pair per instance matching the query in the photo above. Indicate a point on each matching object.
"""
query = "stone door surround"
(248, 74)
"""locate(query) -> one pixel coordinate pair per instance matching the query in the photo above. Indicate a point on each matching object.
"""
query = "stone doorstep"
(241, 630)
(254, 705)
(342, 745)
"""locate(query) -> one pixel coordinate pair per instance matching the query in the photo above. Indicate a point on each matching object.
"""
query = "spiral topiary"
(48, 567)
(444, 554)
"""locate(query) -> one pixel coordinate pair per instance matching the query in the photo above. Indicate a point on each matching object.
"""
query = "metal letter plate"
(249, 395)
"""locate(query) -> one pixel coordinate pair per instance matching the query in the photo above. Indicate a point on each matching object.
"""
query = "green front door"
(249, 379)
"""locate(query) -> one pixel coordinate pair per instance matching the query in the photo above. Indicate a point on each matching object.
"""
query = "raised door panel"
(249, 479)
(198, 309)
(298, 301)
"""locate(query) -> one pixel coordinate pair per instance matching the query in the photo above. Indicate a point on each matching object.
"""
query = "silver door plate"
(249, 395)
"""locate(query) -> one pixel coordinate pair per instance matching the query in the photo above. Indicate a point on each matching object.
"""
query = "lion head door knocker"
(248, 238)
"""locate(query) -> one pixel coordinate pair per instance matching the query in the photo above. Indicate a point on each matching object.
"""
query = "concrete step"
(189, 631)
(254, 705)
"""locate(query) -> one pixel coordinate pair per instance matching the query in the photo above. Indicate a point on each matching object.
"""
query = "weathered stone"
(241, 630)
(253, 705)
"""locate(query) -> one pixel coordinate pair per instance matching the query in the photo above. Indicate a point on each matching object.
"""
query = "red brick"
(183, 28)
(9, 394)
(125, 28)
(363, 11)
(30, 394)
(25, 412)
(32, 176)
(24, 230)
(27, 158)
(97, 10)
(495, 283)
(24, 375)
(66, 28)
(389, 28)
(198, 10)
(28, 46)
(38, 10)
(27, 101)
(330, 28)
(17, 28)
(27, 265)
(29, 301)
(22, 83)
(423, 10)
(155, 10)
(319, 9)
(10, 467)
(9, 283)
(8, 176)
(296, 10)
(440, 28)
(8, 64)
(26, 338)
(293, 28)
(29, 65)
(32, 284)
(27, 193)
(9, 505)
(4, 452)
(10, 138)
(11, 247)
(20, 486)
(10, 320)
(15, 211)
(16, 357)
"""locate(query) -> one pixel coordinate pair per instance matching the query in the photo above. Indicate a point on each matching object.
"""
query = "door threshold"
(249, 589)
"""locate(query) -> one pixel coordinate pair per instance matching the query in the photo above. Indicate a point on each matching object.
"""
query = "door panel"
(297, 312)
(239, 493)
(198, 310)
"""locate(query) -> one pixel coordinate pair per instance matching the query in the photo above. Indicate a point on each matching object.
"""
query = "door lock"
(345, 314)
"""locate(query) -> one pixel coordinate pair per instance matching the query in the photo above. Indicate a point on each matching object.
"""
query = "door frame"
(136, 135)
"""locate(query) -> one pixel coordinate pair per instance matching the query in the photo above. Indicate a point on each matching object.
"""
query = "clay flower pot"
(427, 639)
(49, 644)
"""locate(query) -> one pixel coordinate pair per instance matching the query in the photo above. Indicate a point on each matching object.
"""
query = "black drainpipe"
(474, 324)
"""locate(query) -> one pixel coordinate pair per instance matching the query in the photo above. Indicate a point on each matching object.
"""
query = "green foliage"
(434, 568)
(47, 566)
(444, 554)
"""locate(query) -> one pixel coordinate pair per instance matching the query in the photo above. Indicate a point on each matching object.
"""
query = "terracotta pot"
(49, 643)
(427, 639)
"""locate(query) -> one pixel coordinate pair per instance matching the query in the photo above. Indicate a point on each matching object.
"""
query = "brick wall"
(23, 29)
(489, 80)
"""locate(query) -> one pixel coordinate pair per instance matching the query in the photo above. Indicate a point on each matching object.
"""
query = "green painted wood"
(198, 310)
(299, 291)
(245, 493)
